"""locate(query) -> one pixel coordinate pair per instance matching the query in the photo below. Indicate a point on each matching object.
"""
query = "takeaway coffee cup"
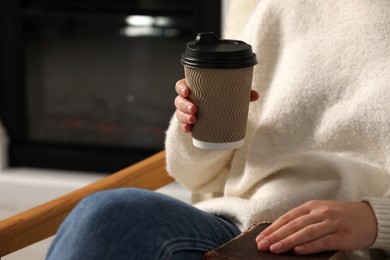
(219, 74)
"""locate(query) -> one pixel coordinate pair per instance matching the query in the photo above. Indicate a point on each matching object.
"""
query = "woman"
(315, 161)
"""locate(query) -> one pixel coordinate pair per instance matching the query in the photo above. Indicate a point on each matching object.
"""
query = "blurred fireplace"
(89, 85)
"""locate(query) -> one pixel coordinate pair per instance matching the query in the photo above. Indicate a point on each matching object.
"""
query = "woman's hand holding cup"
(186, 110)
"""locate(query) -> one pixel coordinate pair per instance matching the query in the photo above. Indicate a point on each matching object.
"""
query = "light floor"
(23, 188)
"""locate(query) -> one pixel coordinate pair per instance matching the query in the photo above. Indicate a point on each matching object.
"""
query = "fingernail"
(189, 108)
(263, 245)
(182, 91)
(259, 238)
(299, 249)
(191, 120)
(276, 248)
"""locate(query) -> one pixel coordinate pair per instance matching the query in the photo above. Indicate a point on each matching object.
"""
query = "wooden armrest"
(38, 223)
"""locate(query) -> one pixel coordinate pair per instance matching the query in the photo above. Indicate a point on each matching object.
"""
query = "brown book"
(243, 247)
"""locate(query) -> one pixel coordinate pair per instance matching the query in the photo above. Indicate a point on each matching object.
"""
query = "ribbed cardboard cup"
(219, 74)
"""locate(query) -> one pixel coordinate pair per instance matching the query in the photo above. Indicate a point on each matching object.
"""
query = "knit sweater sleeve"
(381, 207)
(196, 169)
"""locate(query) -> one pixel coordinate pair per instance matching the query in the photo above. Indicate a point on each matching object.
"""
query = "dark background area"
(81, 88)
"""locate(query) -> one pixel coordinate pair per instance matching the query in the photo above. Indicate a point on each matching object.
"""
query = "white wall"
(225, 6)
(3, 148)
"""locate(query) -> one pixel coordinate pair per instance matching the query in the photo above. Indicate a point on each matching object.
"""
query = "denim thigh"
(131, 223)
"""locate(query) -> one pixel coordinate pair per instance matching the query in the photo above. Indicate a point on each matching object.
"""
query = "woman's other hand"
(318, 226)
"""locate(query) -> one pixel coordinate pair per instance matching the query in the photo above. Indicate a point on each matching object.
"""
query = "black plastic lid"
(208, 51)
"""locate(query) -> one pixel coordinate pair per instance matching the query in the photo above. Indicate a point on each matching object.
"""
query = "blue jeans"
(138, 224)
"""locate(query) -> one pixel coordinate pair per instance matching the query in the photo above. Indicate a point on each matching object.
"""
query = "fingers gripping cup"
(219, 74)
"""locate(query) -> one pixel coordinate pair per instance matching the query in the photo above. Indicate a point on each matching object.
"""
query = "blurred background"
(86, 89)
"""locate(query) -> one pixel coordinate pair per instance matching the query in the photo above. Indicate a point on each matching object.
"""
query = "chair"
(38, 223)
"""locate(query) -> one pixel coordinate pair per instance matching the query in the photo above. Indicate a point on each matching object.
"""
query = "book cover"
(243, 247)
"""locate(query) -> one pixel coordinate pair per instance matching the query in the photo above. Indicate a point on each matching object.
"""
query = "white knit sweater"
(321, 129)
